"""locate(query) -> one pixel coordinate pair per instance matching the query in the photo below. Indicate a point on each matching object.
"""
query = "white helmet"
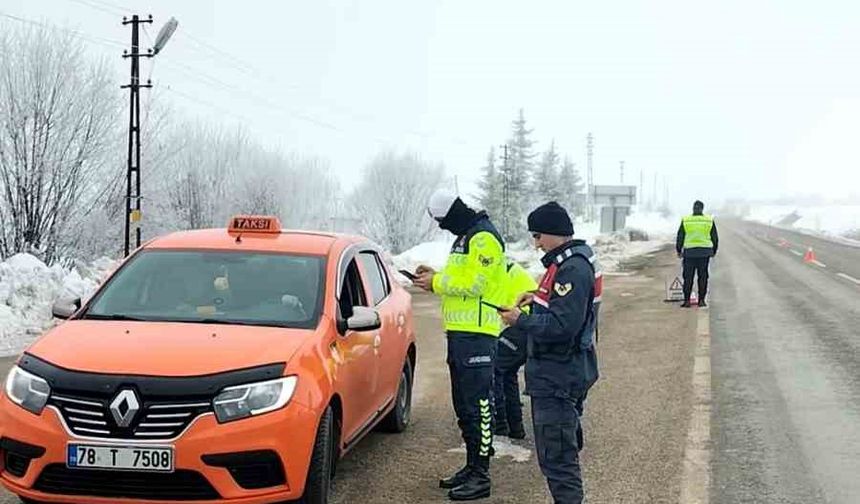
(440, 203)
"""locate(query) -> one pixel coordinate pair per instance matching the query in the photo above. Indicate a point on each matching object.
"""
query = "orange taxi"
(227, 365)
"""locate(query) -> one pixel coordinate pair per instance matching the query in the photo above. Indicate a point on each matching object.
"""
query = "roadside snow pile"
(28, 290)
(833, 220)
(656, 225)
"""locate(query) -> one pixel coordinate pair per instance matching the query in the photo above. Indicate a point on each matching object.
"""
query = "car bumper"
(289, 433)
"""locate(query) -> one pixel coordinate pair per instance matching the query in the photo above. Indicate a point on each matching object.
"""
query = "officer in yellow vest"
(697, 242)
(474, 275)
(510, 358)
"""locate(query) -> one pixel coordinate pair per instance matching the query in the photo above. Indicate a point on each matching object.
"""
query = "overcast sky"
(728, 98)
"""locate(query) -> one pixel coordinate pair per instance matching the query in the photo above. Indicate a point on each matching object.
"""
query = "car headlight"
(27, 390)
(243, 401)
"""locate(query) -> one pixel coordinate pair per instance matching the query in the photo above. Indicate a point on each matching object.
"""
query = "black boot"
(460, 476)
(686, 304)
(477, 486)
(457, 479)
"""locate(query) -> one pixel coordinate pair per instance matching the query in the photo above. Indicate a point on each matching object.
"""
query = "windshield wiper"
(112, 316)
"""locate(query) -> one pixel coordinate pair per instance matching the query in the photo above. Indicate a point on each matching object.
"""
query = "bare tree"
(392, 199)
(57, 124)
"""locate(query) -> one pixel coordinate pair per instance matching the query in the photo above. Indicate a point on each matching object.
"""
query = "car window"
(352, 293)
(376, 277)
(223, 287)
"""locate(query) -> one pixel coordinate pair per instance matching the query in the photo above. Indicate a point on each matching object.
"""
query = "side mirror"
(363, 319)
(64, 309)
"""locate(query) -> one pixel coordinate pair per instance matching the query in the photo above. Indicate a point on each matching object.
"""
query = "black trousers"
(510, 358)
(557, 434)
(697, 266)
(471, 359)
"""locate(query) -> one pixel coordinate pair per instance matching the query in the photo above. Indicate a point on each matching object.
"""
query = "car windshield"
(214, 287)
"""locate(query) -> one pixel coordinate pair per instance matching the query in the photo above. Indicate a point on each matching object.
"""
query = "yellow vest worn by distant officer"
(697, 231)
(519, 282)
(475, 272)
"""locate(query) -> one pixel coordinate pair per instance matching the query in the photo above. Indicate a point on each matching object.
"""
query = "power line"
(106, 8)
(89, 38)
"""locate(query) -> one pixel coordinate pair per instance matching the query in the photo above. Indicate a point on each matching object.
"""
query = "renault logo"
(124, 408)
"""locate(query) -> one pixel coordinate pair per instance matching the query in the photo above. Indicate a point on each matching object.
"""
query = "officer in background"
(475, 273)
(697, 242)
(562, 361)
(510, 358)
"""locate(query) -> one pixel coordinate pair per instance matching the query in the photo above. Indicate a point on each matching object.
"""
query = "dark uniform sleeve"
(568, 306)
(715, 237)
(679, 241)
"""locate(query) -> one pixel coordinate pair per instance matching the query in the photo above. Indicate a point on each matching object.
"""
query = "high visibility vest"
(475, 272)
(697, 231)
(519, 282)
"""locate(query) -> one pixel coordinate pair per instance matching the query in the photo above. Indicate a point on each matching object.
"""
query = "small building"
(614, 202)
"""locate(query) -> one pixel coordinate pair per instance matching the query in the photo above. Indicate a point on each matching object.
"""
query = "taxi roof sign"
(262, 224)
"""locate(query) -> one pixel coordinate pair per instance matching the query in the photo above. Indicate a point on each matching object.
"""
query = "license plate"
(120, 458)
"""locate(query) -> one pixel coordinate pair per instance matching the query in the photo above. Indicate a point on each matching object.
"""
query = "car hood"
(165, 348)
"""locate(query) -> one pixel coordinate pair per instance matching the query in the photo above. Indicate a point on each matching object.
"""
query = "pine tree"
(516, 175)
(490, 187)
(545, 186)
(570, 187)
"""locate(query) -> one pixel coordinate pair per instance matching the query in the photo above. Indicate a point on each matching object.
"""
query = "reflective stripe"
(541, 302)
(486, 431)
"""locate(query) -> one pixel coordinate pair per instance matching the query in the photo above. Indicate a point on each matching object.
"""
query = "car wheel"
(318, 483)
(398, 418)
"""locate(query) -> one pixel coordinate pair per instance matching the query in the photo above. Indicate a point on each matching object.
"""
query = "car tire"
(398, 418)
(318, 483)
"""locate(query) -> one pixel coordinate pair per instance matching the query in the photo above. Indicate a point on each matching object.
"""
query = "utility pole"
(132, 176)
(641, 199)
(622, 173)
(132, 180)
(589, 198)
(506, 198)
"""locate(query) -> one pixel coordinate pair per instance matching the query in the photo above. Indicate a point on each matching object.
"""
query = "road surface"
(636, 419)
(785, 360)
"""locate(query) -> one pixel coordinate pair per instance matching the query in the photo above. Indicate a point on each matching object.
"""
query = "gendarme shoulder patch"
(563, 289)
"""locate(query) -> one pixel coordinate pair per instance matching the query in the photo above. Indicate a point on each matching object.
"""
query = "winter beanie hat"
(552, 219)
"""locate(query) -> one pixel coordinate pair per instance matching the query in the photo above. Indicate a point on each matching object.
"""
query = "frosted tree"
(516, 175)
(545, 186)
(570, 188)
(391, 200)
(490, 187)
(58, 115)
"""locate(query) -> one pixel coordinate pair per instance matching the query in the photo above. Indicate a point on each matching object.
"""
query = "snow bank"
(653, 223)
(28, 290)
(833, 220)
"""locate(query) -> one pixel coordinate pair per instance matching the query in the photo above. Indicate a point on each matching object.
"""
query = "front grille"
(91, 417)
(181, 485)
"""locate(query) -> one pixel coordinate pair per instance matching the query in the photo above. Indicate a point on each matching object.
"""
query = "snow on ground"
(28, 290)
(830, 220)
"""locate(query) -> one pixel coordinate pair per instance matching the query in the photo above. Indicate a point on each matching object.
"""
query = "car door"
(357, 371)
(389, 344)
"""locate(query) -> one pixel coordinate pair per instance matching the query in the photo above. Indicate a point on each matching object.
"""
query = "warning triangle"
(676, 284)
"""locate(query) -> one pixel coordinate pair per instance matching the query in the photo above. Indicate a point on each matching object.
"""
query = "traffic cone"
(809, 256)
(694, 298)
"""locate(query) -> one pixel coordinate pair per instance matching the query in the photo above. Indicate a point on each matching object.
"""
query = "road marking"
(696, 479)
(819, 264)
(797, 253)
(849, 278)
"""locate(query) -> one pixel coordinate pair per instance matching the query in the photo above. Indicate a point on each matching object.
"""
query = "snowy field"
(834, 220)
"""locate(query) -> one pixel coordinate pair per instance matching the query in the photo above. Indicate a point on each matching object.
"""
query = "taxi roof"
(293, 241)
